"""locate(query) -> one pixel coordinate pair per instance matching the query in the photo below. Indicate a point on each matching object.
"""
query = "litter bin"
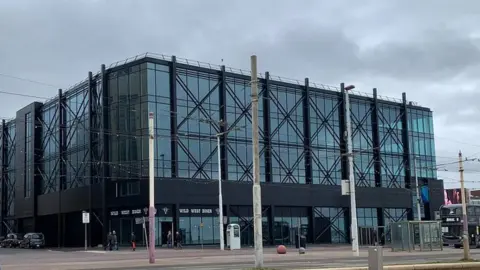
(303, 241)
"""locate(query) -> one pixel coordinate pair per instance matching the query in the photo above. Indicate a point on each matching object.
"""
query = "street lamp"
(351, 176)
(220, 197)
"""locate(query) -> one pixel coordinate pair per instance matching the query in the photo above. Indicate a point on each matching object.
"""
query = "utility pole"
(351, 176)
(151, 187)
(466, 243)
(419, 217)
(257, 192)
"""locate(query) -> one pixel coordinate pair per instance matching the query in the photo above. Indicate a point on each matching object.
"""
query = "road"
(316, 257)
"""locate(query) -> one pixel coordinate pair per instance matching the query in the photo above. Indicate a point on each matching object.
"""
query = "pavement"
(211, 258)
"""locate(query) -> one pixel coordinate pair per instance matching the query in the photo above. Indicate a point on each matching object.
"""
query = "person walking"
(178, 238)
(169, 239)
(133, 239)
(109, 243)
(115, 241)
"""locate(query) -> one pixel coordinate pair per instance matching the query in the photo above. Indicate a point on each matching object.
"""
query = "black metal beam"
(306, 133)
(406, 148)
(343, 141)
(105, 157)
(376, 141)
(4, 183)
(224, 123)
(267, 128)
(61, 162)
(173, 117)
(91, 100)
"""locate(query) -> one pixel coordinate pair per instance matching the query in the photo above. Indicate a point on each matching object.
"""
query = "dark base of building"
(199, 225)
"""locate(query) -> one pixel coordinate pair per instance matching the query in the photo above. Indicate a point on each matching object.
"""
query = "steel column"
(105, 157)
(306, 133)
(376, 141)
(91, 87)
(61, 162)
(267, 129)
(223, 123)
(173, 117)
(4, 184)
(343, 139)
(406, 148)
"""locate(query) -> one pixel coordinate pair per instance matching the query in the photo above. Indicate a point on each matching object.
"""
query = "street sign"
(86, 217)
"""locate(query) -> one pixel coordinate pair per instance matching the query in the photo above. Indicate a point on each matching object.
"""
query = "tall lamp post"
(220, 197)
(351, 176)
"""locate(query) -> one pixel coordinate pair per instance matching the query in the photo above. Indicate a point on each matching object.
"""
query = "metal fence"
(373, 236)
(416, 236)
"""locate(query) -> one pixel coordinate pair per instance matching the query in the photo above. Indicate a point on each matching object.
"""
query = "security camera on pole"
(351, 176)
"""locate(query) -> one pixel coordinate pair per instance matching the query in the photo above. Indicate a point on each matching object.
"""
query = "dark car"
(12, 240)
(33, 240)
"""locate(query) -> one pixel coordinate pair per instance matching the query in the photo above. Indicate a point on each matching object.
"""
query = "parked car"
(12, 240)
(33, 240)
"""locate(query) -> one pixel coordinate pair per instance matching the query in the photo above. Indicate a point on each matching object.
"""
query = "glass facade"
(77, 164)
(239, 121)
(422, 144)
(325, 138)
(390, 119)
(127, 88)
(29, 158)
(330, 226)
(197, 103)
(362, 139)
(199, 225)
(286, 123)
(50, 142)
(367, 217)
(9, 173)
(288, 223)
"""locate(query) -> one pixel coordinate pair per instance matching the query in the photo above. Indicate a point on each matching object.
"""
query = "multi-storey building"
(87, 150)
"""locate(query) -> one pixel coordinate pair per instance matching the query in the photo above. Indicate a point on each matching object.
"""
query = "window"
(129, 188)
(29, 164)
(197, 97)
(286, 133)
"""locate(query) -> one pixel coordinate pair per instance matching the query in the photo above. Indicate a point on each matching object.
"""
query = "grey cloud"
(394, 45)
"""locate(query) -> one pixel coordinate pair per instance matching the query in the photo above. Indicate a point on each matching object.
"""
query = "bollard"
(375, 258)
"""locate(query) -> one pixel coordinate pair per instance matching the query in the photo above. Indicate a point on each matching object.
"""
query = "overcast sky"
(429, 49)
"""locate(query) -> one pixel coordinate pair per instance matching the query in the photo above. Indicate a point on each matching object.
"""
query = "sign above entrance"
(201, 211)
(141, 212)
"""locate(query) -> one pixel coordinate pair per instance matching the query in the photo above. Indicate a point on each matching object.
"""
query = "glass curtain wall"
(288, 223)
(239, 120)
(9, 174)
(197, 123)
(422, 143)
(77, 132)
(199, 225)
(325, 138)
(158, 102)
(50, 159)
(391, 146)
(29, 158)
(362, 139)
(329, 224)
(286, 124)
